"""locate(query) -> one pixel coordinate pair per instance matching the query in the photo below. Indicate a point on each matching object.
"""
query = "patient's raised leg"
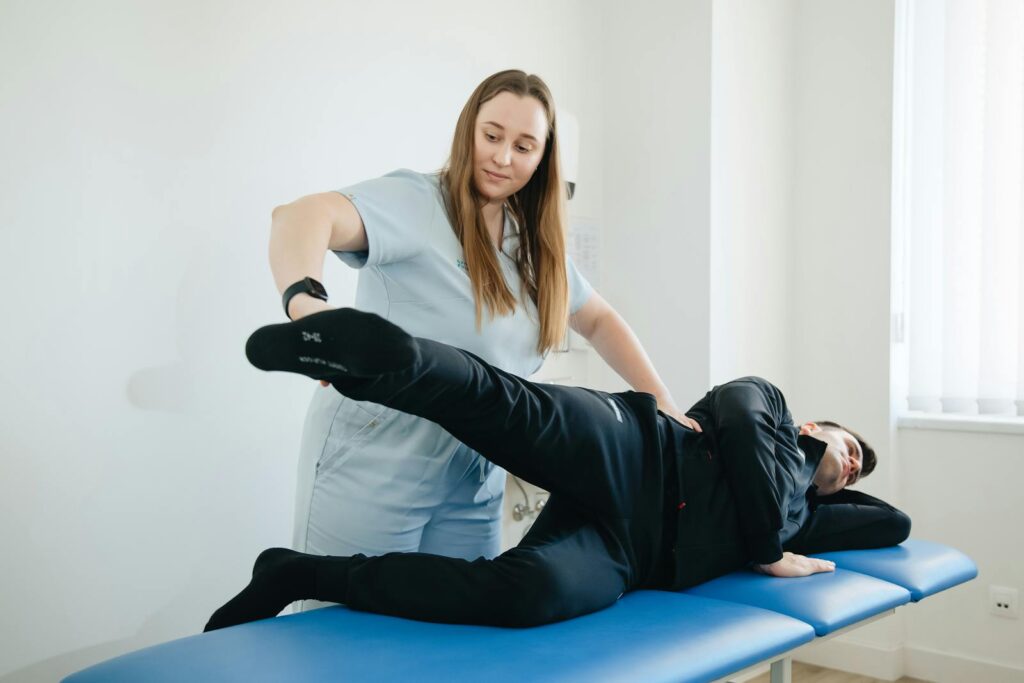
(585, 444)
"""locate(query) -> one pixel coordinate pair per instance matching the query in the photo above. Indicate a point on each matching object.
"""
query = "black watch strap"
(306, 285)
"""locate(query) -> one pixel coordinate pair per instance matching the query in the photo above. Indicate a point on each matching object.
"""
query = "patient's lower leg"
(523, 587)
(413, 585)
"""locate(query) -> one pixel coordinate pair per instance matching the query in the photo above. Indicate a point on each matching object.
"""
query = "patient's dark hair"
(867, 465)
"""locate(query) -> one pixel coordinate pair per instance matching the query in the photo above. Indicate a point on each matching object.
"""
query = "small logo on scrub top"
(462, 265)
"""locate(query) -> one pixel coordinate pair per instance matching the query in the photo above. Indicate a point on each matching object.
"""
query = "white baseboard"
(889, 664)
(859, 658)
(943, 667)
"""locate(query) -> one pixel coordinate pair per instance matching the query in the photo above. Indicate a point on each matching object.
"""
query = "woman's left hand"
(670, 409)
(611, 336)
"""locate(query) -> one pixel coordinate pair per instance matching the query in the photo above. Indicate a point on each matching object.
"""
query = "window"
(958, 205)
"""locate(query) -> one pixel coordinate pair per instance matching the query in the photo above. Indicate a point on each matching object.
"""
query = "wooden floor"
(807, 673)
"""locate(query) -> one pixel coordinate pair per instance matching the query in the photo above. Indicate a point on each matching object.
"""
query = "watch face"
(316, 289)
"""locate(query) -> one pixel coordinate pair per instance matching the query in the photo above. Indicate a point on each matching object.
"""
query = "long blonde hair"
(538, 208)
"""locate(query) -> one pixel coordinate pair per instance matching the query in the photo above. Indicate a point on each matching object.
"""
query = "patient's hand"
(792, 564)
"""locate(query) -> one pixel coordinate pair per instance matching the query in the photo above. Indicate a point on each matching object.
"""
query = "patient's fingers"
(817, 566)
(793, 565)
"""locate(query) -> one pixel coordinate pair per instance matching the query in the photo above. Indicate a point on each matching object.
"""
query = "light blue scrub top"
(374, 480)
(413, 273)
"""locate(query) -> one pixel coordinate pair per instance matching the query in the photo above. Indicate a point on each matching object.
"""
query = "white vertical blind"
(965, 141)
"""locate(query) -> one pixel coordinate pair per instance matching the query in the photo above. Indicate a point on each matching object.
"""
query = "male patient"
(637, 499)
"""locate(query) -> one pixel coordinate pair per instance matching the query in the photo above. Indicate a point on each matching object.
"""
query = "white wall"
(959, 488)
(753, 145)
(800, 167)
(145, 144)
(656, 76)
(840, 352)
(841, 346)
(699, 137)
(964, 489)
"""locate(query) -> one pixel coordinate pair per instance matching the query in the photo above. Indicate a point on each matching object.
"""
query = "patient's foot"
(337, 343)
(279, 578)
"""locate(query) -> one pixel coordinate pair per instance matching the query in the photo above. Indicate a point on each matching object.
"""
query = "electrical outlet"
(1002, 601)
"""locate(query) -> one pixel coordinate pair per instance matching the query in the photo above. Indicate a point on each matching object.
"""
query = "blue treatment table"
(922, 567)
(702, 634)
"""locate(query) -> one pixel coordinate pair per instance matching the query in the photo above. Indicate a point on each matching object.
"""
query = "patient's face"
(840, 466)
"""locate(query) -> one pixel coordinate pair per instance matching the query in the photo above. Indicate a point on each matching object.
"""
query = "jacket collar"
(813, 449)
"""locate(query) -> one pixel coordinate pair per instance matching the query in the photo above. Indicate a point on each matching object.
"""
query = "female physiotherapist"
(474, 257)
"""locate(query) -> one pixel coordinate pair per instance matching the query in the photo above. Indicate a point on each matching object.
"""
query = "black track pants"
(599, 535)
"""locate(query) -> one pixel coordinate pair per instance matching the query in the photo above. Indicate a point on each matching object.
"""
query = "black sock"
(279, 578)
(338, 343)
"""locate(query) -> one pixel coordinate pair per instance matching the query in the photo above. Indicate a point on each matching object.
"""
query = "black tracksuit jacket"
(747, 478)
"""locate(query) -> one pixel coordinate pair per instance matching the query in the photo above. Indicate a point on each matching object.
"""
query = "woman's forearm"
(617, 344)
(299, 236)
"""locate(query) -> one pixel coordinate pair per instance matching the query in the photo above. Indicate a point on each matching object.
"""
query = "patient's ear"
(808, 428)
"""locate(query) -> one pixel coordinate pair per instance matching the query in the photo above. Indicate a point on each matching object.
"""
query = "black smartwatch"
(306, 285)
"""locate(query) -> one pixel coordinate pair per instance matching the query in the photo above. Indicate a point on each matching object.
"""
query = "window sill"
(992, 424)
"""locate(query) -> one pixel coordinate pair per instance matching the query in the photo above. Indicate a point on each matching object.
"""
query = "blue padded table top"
(647, 636)
(828, 601)
(922, 567)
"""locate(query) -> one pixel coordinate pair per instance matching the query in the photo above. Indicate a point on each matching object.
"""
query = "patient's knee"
(551, 593)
